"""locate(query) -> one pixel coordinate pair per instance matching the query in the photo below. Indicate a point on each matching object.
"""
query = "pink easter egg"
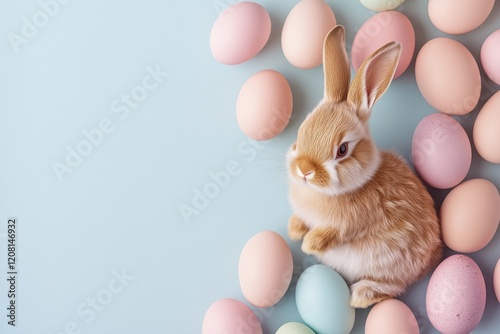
(490, 56)
(240, 32)
(456, 295)
(441, 151)
(496, 280)
(230, 316)
(379, 30)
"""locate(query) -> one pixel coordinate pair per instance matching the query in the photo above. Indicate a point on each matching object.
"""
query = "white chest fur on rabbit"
(361, 211)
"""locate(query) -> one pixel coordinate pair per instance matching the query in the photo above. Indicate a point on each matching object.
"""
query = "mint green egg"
(322, 298)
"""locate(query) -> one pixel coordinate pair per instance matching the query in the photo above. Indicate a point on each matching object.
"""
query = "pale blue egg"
(322, 298)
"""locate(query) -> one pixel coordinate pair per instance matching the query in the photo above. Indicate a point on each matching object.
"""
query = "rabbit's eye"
(342, 150)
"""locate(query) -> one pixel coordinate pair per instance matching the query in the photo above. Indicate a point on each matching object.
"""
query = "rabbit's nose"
(305, 173)
(309, 175)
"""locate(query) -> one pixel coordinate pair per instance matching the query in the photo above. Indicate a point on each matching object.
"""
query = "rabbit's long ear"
(373, 78)
(336, 65)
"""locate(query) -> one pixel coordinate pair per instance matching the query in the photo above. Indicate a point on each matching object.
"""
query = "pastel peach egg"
(265, 269)
(304, 31)
(448, 76)
(264, 105)
(459, 16)
(469, 215)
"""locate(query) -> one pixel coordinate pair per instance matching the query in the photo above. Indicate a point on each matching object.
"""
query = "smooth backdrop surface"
(102, 244)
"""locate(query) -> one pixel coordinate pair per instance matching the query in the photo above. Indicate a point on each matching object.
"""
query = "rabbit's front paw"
(318, 240)
(297, 228)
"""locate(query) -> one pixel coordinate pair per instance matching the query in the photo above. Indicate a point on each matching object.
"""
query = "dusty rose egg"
(391, 317)
(230, 316)
(264, 105)
(486, 132)
(470, 215)
(304, 31)
(441, 151)
(490, 56)
(379, 30)
(496, 280)
(240, 32)
(459, 16)
(448, 76)
(456, 295)
(265, 269)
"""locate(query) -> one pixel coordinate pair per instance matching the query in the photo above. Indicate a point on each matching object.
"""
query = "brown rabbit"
(361, 211)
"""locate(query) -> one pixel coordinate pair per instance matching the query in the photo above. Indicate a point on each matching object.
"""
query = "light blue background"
(118, 210)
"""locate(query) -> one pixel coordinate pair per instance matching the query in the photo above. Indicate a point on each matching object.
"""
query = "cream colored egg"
(381, 5)
(470, 215)
(459, 16)
(294, 328)
(486, 131)
(304, 31)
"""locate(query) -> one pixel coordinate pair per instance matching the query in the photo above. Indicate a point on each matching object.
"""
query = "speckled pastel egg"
(304, 32)
(322, 298)
(490, 56)
(486, 132)
(240, 32)
(441, 151)
(496, 280)
(264, 105)
(230, 316)
(469, 215)
(459, 16)
(381, 5)
(391, 317)
(294, 328)
(456, 295)
(265, 269)
(448, 76)
(379, 30)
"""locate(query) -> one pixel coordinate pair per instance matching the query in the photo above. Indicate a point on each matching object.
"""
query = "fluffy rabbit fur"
(359, 210)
